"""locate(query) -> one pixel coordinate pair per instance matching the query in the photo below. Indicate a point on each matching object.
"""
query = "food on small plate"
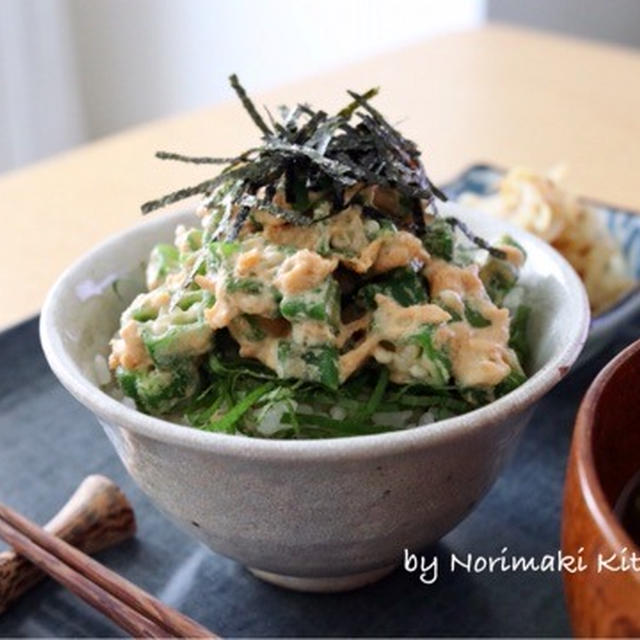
(537, 203)
(323, 293)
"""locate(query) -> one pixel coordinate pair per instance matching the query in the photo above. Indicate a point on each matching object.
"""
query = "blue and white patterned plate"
(624, 226)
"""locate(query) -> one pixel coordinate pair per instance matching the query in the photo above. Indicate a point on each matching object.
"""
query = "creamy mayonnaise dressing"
(284, 263)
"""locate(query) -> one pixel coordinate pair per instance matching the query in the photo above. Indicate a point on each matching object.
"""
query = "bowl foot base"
(329, 584)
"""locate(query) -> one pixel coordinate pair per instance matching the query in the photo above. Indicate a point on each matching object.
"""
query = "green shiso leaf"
(474, 317)
(227, 423)
(518, 334)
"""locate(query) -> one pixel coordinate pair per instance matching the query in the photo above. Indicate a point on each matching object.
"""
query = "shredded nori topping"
(308, 151)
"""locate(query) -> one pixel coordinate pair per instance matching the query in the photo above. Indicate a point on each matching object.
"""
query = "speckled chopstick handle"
(96, 516)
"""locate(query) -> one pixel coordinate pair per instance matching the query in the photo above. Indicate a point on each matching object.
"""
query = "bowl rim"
(111, 410)
(589, 482)
(619, 312)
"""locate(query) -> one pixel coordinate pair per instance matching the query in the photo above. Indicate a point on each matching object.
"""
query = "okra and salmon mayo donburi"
(323, 294)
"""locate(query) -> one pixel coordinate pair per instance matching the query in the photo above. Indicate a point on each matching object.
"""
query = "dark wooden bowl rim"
(590, 485)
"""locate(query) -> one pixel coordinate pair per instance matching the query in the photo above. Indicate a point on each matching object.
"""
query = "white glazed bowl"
(320, 515)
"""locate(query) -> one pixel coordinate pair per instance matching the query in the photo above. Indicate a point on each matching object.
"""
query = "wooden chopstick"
(123, 615)
(127, 605)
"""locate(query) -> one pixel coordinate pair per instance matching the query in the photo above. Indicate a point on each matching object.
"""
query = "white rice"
(128, 402)
(394, 419)
(271, 421)
(514, 298)
(337, 413)
(426, 418)
(101, 370)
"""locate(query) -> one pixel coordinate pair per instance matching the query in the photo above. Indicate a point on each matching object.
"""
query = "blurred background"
(74, 70)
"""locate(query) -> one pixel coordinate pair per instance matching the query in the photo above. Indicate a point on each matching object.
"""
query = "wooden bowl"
(605, 455)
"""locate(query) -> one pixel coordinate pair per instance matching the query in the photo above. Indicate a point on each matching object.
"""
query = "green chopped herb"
(474, 317)
(245, 285)
(227, 423)
(518, 334)
(402, 284)
(164, 259)
(511, 382)
(438, 239)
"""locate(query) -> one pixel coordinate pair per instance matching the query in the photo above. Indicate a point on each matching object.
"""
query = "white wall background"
(41, 110)
(73, 70)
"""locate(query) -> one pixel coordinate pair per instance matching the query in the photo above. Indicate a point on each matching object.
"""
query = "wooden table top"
(497, 94)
